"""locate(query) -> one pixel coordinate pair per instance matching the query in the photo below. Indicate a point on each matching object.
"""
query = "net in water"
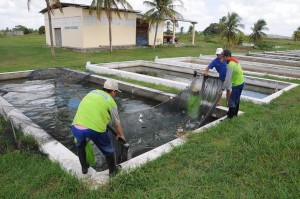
(189, 110)
(51, 93)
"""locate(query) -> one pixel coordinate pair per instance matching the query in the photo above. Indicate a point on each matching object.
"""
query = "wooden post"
(15, 135)
(173, 37)
(193, 34)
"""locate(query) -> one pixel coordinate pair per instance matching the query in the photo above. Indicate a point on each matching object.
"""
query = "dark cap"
(226, 53)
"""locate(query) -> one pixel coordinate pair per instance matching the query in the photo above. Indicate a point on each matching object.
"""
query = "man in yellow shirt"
(235, 80)
(94, 113)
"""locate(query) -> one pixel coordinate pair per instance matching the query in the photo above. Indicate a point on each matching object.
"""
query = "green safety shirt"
(94, 110)
(234, 75)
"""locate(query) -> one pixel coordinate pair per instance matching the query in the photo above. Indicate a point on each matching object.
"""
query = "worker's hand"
(205, 73)
(121, 137)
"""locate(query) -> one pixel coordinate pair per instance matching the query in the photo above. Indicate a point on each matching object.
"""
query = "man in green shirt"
(235, 79)
(94, 113)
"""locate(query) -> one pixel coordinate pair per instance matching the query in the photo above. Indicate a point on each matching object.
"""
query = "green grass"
(30, 52)
(146, 84)
(256, 155)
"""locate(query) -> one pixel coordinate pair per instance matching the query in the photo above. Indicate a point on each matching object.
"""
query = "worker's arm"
(206, 71)
(119, 131)
(210, 66)
(227, 82)
(116, 122)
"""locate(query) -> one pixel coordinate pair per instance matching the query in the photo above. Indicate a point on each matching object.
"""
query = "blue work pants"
(102, 140)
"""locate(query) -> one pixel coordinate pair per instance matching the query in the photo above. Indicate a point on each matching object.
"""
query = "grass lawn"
(256, 155)
(30, 52)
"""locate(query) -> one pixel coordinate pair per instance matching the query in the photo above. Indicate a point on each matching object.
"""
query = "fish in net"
(189, 110)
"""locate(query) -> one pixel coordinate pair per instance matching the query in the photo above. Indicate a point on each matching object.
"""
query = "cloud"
(13, 14)
(282, 16)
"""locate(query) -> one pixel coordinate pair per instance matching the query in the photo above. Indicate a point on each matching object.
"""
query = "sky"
(282, 16)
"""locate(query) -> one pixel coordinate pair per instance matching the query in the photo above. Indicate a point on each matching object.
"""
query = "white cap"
(111, 85)
(219, 51)
(195, 89)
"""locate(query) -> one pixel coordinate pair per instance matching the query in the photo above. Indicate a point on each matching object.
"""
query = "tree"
(231, 23)
(212, 30)
(222, 25)
(51, 4)
(30, 31)
(190, 30)
(42, 30)
(181, 30)
(159, 11)
(296, 34)
(257, 29)
(109, 7)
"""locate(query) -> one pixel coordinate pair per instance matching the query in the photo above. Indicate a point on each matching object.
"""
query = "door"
(141, 32)
(58, 41)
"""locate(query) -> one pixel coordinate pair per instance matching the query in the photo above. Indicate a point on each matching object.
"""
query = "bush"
(28, 143)
(263, 45)
(210, 39)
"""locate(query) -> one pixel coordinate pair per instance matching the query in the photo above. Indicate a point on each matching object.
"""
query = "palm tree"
(160, 10)
(168, 24)
(51, 4)
(257, 29)
(296, 34)
(222, 26)
(109, 7)
(231, 23)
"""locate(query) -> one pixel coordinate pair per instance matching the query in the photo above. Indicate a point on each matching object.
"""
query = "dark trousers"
(102, 140)
(234, 100)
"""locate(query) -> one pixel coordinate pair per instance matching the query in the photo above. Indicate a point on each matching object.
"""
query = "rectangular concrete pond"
(249, 64)
(277, 56)
(178, 75)
(42, 106)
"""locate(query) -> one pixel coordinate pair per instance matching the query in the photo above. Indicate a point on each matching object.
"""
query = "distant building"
(15, 32)
(76, 28)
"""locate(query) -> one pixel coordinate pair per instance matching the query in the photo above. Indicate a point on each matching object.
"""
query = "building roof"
(183, 20)
(64, 5)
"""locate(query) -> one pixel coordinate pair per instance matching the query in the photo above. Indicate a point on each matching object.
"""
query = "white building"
(77, 28)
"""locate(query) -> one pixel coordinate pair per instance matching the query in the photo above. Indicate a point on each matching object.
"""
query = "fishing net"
(160, 124)
(49, 99)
